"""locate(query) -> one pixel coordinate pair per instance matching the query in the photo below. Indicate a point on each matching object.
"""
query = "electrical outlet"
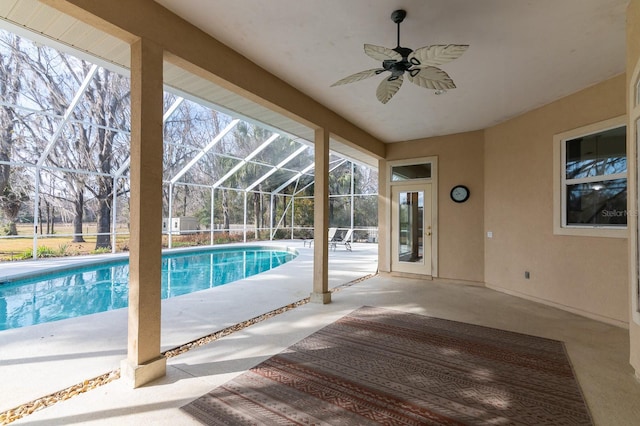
(527, 275)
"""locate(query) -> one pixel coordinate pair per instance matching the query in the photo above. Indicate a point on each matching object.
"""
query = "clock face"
(460, 193)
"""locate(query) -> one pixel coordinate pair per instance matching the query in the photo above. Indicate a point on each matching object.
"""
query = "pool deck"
(42, 359)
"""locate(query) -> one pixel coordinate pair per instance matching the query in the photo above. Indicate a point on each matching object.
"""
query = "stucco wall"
(584, 274)
(460, 226)
(633, 56)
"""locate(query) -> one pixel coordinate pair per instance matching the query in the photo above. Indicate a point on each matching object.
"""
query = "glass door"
(411, 232)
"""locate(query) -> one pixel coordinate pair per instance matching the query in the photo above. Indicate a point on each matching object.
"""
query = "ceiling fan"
(419, 64)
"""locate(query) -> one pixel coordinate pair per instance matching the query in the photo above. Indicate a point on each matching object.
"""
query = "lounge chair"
(331, 235)
(345, 240)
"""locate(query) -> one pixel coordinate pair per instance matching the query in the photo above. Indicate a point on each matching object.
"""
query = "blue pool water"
(103, 287)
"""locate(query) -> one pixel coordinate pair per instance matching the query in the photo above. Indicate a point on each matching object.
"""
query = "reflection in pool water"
(103, 287)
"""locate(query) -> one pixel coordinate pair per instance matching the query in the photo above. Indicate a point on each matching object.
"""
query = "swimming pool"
(103, 287)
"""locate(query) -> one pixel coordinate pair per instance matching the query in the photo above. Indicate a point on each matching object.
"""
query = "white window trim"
(559, 186)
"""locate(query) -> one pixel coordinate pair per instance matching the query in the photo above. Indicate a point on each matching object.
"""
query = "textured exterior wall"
(585, 274)
(460, 226)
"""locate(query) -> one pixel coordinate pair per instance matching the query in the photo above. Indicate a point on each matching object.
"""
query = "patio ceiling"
(522, 55)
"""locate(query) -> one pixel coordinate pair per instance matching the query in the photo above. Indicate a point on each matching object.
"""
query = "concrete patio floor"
(43, 359)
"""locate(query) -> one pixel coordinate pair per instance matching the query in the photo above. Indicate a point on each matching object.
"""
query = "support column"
(384, 219)
(144, 362)
(320, 292)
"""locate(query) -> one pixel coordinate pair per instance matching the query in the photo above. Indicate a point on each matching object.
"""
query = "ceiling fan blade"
(431, 78)
(387, 89)
(437, 54)
(380, 53)
(358, 76)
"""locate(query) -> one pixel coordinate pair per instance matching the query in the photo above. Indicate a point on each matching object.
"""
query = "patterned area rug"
(378, 366)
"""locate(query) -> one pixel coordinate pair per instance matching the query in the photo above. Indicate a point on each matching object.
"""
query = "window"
(593, 180)
(411, 172)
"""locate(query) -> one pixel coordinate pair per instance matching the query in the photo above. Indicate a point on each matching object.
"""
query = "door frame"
(425, 266)
(433, 180)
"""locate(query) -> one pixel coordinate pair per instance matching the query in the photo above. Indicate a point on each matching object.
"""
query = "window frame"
(560, 226)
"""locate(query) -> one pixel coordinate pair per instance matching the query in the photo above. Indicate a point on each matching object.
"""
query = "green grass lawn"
(60, 244)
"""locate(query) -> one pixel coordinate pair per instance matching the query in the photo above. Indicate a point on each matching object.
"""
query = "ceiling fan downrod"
(398, 67)
(398, 16)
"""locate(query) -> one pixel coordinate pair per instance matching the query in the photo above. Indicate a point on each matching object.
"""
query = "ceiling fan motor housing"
(404, 51)
(398, 16)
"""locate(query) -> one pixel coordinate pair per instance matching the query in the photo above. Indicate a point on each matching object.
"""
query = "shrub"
(43, 251)
(195, 239)
(282, 234)
(226, 237)
(5, 230)
(27, 254)
(63, 250)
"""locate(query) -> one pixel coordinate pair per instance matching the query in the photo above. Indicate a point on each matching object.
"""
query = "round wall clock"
(460, 193)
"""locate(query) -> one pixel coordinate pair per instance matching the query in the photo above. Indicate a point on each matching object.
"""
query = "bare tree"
(11, 198)
(109, 97)
(90, 140)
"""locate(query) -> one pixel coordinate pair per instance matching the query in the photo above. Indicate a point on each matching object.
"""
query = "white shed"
(180, 225)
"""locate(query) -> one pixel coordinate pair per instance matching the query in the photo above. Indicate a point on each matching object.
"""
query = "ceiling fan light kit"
(419, 64)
